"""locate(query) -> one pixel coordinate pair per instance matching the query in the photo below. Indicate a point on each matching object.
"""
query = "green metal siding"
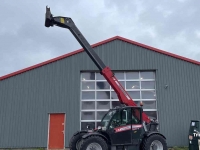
(26, 99)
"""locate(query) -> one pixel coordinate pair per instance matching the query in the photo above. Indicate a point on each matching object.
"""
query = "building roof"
(95, 45)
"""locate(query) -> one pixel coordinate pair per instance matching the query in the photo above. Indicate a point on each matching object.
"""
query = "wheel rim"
(94, 146)
(156, 145)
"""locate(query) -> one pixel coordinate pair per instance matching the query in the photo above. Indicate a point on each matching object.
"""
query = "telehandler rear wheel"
(154, 142)
(75, 141)
(94, 143)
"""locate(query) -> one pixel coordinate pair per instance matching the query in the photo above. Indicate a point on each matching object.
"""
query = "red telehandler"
(123, 128)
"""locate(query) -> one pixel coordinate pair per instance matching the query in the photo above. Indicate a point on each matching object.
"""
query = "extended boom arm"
(66, 22)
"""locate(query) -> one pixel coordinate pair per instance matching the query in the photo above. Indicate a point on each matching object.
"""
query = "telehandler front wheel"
(154, 142)
(75, 141)
(94, 143)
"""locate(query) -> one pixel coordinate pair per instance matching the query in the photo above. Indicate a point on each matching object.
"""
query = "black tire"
(73, 142)
(158, 141)
(95, 140)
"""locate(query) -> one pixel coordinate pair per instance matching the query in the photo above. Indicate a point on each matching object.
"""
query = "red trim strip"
(95, 45)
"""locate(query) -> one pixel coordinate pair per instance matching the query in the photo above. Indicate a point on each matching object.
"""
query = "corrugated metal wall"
(26, 99)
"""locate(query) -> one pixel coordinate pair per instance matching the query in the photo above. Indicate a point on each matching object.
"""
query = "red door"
(56, 131)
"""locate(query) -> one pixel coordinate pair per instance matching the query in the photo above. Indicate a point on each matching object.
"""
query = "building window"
(97, 96)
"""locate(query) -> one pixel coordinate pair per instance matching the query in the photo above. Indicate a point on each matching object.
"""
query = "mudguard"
(95, 133)
(154, 132)
(83, 131)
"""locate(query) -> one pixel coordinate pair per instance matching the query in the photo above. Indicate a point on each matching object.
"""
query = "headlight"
(190, 137)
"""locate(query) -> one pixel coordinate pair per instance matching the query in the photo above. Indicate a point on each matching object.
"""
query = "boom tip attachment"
(48, 17)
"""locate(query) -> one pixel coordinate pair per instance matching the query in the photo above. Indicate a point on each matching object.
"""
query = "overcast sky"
(173, 26)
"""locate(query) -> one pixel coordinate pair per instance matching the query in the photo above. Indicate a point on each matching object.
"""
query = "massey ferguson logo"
(123, 128)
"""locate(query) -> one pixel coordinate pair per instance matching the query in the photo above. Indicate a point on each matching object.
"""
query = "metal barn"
(70, 90)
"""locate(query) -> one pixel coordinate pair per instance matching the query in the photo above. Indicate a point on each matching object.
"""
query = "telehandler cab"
(122, 128)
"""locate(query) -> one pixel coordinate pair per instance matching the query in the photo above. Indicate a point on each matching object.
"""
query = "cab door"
(119, 128)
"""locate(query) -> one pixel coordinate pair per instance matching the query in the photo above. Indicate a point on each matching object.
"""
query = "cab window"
(121, 118)
(125, 117)
(116, 120)
(136, 116)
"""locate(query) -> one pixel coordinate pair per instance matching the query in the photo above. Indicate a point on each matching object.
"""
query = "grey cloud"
(24, 39)
(197, 56)
(182, 17)
(168, 25)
